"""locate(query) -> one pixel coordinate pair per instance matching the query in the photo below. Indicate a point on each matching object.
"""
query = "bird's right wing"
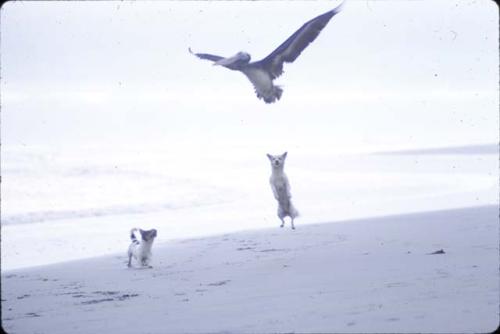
(290, 49)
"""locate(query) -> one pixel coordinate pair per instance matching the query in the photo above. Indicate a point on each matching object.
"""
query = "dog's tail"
(132, 235)
(288, 208)
(294, 213)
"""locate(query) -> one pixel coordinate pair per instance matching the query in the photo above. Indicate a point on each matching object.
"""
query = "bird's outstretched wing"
(206, 56)
(290, 49)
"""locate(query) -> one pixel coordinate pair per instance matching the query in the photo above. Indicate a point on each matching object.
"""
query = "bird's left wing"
(290, 49)
(206, 56)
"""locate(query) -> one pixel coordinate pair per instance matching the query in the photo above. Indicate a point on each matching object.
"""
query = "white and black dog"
(281, 189)
(141, 250)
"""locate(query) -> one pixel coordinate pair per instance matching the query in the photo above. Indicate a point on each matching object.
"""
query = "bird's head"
(243, 56)
(239, 59)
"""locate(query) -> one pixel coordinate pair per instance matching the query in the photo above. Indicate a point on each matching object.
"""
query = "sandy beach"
(389, 117)
(368, 275)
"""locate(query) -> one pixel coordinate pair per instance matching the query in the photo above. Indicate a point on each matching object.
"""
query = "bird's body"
(262, 73)
(263, 84)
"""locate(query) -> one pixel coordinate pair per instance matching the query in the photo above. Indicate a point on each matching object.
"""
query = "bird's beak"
(227, 61)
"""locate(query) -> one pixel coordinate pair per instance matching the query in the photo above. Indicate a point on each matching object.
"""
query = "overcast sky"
(381, 74)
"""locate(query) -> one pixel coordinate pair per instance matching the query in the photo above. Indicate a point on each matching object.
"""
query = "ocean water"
(64, 204)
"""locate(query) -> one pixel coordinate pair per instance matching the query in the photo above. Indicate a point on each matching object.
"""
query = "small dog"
(141, 250)
(281, 188)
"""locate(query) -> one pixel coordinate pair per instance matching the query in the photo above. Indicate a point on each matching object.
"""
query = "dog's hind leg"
(281, 215)
(293, 226)
(129, 260)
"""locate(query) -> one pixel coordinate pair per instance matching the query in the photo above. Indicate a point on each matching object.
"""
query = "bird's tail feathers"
(274, 96)
(277, 91)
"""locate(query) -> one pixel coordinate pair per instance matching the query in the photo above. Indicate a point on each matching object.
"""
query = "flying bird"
(262, 73)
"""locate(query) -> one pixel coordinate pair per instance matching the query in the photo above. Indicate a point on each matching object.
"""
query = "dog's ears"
(283, 156)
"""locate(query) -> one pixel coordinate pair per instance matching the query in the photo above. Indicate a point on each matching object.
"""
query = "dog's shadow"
(135, 267)
(139, 268)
